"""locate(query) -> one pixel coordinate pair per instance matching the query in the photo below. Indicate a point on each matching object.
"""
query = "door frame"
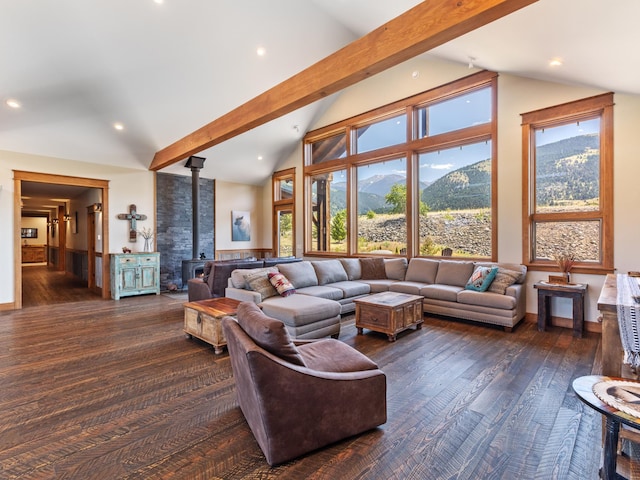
(18, 177)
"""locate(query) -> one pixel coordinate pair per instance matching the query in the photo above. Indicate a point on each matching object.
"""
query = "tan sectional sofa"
(326, 289)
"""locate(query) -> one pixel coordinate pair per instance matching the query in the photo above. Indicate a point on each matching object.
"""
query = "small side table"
(202, 320)
(583, 386)
(575, 291)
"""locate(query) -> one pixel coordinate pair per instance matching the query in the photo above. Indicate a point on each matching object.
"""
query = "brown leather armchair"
(303, 396)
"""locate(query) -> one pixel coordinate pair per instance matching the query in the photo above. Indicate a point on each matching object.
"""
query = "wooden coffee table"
(389, 312)
(202, 320)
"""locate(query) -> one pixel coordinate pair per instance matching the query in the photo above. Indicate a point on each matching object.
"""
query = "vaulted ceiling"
(164, 69)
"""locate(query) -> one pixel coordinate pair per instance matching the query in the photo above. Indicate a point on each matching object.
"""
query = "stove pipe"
(195, 164)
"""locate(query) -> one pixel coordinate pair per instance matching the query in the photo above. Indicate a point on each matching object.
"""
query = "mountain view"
(566, 169)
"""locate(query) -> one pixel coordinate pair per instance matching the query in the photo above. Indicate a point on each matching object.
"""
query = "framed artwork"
(240, 226)
(29, 232)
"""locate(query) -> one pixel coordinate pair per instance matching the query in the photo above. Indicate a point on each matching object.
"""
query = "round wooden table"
(583, 386)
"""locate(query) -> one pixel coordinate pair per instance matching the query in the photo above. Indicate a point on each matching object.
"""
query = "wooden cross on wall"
(133, 217)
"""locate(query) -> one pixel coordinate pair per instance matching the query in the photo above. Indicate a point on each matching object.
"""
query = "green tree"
(339, 226)
(397, 198)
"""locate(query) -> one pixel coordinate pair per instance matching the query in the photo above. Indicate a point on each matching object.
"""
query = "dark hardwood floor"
(102, 389)
(44, 286)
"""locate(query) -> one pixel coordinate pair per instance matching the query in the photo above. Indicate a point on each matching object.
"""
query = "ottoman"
(305, 316)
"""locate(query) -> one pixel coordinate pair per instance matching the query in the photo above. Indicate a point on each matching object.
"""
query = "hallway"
(44, 286)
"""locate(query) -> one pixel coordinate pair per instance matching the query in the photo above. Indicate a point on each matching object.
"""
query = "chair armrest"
(242, 295)
(198, 290)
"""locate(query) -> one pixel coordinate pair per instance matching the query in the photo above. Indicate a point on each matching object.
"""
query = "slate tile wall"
(174, 224)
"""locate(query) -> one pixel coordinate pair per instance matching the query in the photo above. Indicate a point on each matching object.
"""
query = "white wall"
(516, 95)
(126, 186)
(236, 196)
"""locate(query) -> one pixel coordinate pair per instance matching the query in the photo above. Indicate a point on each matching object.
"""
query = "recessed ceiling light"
(556, 62)
(261, 51)
(159, 2)
(415, 74)
(118, 126)
(13, 103)
(259, 157)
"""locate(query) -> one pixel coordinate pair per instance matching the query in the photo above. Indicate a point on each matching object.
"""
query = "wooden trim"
(241, 252)
(409, 150)
(437, 94)
(17, 246)
(18, 177)
(592, 107)
(425, 26)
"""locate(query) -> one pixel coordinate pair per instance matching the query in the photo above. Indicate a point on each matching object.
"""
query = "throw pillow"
(481, 278)
(504, 279)
(281, 284)
(259, 282)
(373, 269)
(268, 333)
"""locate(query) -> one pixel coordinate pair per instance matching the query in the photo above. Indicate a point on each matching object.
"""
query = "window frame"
(410, 150)
(278, 204)
(599, 106)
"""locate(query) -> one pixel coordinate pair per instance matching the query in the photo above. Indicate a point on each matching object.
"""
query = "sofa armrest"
(242, 295)
(198, 290)
(518, 291)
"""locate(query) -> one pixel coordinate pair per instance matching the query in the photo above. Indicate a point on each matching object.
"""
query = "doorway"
(48, 180)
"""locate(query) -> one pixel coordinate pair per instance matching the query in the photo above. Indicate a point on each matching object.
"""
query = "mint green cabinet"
(134, 274)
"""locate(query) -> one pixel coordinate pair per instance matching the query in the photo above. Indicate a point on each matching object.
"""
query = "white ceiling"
(164, 70)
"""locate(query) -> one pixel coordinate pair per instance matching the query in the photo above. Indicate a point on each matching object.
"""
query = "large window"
(382, 207)
(568, 159)
(455, 201)
(412, 178)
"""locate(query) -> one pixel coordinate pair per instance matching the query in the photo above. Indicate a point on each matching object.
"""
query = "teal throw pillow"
(481, 278)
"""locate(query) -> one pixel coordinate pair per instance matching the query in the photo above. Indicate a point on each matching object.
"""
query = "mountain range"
(567, 169)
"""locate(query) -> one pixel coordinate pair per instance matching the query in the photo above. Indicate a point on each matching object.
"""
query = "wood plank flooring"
(103, 389)
(44, 286)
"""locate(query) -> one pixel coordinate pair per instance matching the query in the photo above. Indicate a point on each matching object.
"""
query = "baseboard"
(7, 306)
(563, 322)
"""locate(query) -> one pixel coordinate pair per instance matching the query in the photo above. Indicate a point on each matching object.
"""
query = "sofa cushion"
(481, 278)
(412, 288)
(322, 291)
(268, 333)
(239, 275)
(422, 270)
(281, 284)
(441, 292)
(487, 299)
(377, 286)
(331, 355)
(373, 269)
(504, 278)
(395, 268)
(352, 267)
(329, 271)
(300, 274)
(259, 282)
(454, 273)
(298, 310)
(351, 289)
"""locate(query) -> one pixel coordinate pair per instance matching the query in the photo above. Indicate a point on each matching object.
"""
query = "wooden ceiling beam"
(428, 25)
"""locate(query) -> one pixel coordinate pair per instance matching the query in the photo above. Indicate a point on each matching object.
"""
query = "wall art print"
(240, 226)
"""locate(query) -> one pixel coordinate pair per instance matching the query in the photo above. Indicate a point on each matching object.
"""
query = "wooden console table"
(573, 291)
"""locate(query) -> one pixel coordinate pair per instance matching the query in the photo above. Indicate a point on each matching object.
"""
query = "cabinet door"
(128, 278)
(148, 276)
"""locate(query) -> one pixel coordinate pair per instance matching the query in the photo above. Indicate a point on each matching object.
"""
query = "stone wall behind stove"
(174, 213)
